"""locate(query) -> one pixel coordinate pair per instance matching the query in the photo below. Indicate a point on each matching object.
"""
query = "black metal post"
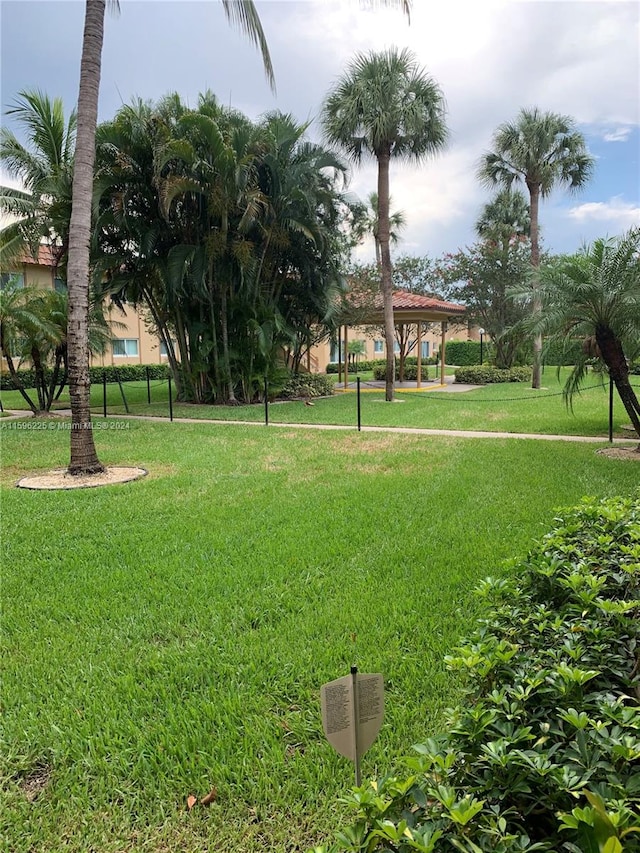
(339, 355)
(266, 402)
(170, 401)
(359, 410)
(104, 393)
(148, 386)
(1, 406)
(610, 410)
(481, 343)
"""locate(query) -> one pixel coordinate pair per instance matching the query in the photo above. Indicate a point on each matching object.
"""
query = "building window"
(15, 278)
(125, 347)
(60, 285)
(378, 346)
(396, 347)
(425, 349)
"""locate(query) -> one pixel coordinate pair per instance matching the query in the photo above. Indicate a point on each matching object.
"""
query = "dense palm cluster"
(227, 231)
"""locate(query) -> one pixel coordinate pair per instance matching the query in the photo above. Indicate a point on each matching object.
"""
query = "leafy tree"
(227, 230)
(543, 151)
(423, 276)
(594, 295)
(482, 277)
(386, 107)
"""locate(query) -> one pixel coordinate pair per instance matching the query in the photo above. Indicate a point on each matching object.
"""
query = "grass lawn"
(509, 407)
(171, 635)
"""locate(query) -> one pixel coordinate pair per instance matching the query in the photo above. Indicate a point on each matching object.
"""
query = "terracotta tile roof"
(404, 301)
(414, 301)
(46, 257)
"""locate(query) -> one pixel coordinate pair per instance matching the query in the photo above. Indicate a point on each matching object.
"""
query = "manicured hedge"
(485, 375)
(332, 367)
(544, 753)
(464, 353)
(363, 365)
(125, 372)
(410, 372)
(554, 353)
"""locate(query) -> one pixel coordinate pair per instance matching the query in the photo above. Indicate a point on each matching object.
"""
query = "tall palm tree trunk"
(534, 192)
(226, 358)
(386, 279)
(614, 358)
(84, 459)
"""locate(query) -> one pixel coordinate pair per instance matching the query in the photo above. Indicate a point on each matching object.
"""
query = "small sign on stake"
(352, 713)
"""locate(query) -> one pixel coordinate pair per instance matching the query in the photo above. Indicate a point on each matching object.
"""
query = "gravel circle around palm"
(60, 478)
(630, 453)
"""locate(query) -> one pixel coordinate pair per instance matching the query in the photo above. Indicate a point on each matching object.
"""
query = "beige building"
(131, 342)
(427, 322)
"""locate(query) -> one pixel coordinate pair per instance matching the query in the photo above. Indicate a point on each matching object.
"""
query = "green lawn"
(510, 407)
(169, 635)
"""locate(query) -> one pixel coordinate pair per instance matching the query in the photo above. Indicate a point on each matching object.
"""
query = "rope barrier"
(465, 399)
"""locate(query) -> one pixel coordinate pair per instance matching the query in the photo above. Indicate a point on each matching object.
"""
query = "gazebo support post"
(443, 347)
(419, 377)
(346, 357)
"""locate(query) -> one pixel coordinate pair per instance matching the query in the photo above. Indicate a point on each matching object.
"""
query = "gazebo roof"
(414, 308)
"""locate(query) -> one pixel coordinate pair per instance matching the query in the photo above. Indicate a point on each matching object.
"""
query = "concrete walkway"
(452, 433)
(450, 386)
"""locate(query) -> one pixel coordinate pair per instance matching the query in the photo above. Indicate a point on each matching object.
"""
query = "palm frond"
(243, 14)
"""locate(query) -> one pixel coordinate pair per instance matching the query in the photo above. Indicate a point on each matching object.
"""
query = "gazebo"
(409, 309)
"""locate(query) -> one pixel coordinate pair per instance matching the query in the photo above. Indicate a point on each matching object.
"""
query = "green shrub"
(410, 371)
(126, 373)
(363, 365)
(556, 354)
(485, 375)
(544, 754)
(307, 385)
(464, 353)
(27, 377)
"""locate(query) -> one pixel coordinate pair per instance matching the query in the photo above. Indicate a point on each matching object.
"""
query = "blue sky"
(490, 57)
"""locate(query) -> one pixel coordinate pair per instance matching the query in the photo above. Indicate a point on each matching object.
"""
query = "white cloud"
(620, 134)
(615, 212)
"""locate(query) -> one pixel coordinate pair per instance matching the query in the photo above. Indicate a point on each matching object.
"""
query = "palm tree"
(543, 150)
(43, 166)
(504, 218)
(386, 107)
(84, 459)
(370, 223)
(595, 295)
(20, 323)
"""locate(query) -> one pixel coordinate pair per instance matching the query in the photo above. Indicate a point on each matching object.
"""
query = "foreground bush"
(485, 375)
(545, 753)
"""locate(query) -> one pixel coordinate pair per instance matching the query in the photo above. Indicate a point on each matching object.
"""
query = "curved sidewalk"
(452, 433)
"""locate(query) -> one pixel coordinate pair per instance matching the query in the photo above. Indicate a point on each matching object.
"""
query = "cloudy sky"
(490, 57)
